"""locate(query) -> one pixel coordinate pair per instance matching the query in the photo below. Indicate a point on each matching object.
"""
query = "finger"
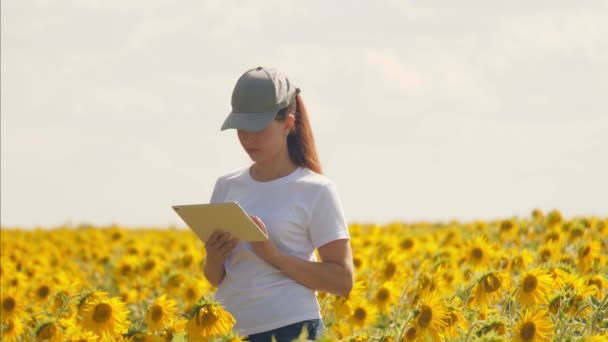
(214, 236)
(222, 240)
(225, 244)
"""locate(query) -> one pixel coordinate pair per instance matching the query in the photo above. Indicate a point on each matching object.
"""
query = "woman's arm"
(214, 272)
(218, 246)
(334, 274)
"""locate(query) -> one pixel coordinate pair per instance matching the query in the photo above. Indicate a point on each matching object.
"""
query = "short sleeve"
(217, 195)
(327, 221)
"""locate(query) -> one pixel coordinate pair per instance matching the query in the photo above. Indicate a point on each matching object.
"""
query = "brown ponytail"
(300, 141)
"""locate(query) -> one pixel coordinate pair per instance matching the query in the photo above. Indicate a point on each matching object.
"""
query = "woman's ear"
(290, 123)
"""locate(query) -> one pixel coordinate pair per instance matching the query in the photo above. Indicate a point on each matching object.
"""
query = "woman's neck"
(267, 171)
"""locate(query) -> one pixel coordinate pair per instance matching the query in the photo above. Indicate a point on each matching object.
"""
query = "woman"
(270, 287)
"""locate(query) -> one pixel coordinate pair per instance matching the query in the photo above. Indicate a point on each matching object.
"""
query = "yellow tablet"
(204, 219)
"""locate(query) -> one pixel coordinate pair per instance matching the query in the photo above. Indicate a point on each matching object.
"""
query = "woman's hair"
(300, 141)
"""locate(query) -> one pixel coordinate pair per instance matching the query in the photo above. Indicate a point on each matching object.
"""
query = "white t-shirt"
(302, 211)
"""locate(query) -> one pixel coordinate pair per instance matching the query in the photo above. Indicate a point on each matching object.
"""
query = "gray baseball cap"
(259, 94)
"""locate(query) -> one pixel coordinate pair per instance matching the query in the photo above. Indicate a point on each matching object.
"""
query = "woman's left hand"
(265, 249)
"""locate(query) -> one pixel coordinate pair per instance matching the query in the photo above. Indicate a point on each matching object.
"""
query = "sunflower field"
(538, 278)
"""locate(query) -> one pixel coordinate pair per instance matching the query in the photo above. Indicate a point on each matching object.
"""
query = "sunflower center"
(577, 232)
(448, 277)
(102, 313)
(43, 291)
(47, 331)
(125, 270)
(175, 280)
(410, 334)
(585, 251)
(389, 270)
(206, 317)
(9, 304)
(407, 244)
(517, 262)
(149, 265)
(357, 262)
(477, 253)
(595, 282)
(545, 254)
(426, 316)
(491, 283)
(157, 313)
(187, 260)
(528, 331)
(360, 314)
(530, 283)
(506, 226)
(552, 237)
(382, 295)
(554, 305)
(190, 293)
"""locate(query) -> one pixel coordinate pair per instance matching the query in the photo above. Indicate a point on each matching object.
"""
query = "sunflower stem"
(403, 294)
(596, 314)
(568, 325)
(466, 299)
(469, 332)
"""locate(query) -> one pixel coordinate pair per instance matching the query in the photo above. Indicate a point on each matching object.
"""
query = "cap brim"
(251, 122)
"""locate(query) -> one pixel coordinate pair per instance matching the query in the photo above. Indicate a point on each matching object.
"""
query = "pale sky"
(421, 110)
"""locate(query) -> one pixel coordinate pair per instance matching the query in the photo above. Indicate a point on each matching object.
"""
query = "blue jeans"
(290, 332)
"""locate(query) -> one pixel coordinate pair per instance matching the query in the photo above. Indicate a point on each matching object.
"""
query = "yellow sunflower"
(161, 313)
(533, 325)
(589, 252)
(192, 290)
(431, 316)
(208, 320)
(579, 292)
(599, 282)
(478, 252)
(42, 291)
(49, 331)
(488, 289)
(534, 287)
(508, 229)
(106, 317)
(389, 270)
(521, 260)
(385, 296)
(456, 324)
(179, 325)
(596, 338)
(174, 282)
(12, 329)
(126, 268)
(13, 304)
(344, 305)
(537, 215)
(364, 314)
(494, 326)
(411, 334)
(553, 219)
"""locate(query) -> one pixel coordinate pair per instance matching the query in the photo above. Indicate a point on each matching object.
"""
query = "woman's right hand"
(219, 245)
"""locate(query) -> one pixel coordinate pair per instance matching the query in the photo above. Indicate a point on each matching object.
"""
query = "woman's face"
(267, 143)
